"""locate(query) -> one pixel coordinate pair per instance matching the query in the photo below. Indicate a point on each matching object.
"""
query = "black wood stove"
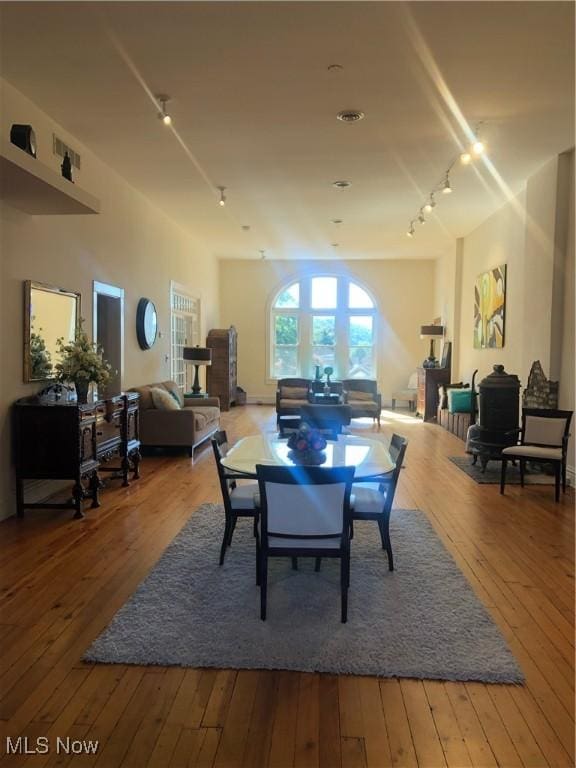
(498, 416)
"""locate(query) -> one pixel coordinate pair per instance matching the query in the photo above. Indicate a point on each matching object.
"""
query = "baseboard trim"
(261, 400)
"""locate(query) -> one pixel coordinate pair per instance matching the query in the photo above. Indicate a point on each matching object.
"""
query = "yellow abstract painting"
(490, 308)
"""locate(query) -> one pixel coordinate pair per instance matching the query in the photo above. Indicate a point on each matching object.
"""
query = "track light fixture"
(475, 149)
(222, 200)
(163, 114)
(262, 254)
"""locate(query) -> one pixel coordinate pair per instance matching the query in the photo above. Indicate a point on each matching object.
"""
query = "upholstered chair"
(363, 398)
(543, 439)
(304, 512)
(291, 394)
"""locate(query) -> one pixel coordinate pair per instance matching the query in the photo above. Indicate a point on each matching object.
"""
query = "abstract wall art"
(490, 308)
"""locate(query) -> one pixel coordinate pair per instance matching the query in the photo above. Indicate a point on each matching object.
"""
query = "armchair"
(363, 398)
(544, 439)
(291, 394)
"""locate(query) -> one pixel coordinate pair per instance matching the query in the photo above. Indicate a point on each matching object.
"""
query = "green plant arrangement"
(40, 358)
(82, 363)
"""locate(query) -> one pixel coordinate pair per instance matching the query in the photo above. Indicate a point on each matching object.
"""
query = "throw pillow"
(460, 400)
(356, 394)
(163, 400)
(294, 393)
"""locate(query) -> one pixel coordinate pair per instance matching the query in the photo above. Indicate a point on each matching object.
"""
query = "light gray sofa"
(195, 421)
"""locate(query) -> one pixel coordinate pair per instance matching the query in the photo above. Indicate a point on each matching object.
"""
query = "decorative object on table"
(317, 374)
(197, 356)
(66, 167)
(328, 371)
(82, 363)
(446, 361)
(490, 308)
(146, 323)
(431, 332)
(215, 625)
(23, 136)
(221, 376)
(307, 446)
(540, 392)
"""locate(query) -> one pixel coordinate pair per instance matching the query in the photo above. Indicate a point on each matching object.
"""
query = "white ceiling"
(255, 104)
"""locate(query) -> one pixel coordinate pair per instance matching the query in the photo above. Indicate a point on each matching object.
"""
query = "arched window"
(326, 321)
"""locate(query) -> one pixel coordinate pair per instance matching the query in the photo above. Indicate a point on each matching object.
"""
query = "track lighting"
(444, 186)
(163, 114)
(222, 200)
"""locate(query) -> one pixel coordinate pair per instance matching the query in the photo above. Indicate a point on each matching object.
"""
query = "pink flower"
(301, 445)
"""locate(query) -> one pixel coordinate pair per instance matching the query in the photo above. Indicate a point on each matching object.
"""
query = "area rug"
(493, 470)
(422, 620)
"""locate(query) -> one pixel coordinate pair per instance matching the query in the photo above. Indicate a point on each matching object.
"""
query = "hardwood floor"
(61, 582)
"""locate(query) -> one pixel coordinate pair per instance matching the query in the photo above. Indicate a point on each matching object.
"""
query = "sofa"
(187, 422)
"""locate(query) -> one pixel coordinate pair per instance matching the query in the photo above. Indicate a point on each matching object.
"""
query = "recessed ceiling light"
(335, 67)
(342, 184)
(335, 245)
(246, 227)
(336, 221)
(350, 115)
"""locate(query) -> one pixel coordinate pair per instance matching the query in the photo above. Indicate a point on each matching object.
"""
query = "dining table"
(370, 458)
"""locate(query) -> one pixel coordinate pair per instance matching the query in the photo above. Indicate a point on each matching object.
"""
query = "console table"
(60, 440)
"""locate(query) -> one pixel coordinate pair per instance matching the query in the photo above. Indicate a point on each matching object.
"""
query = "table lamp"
(197, 356)
(431, 332)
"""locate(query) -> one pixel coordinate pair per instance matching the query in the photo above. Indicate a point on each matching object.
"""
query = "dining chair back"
(304, 512)
(238, 499)
(543, 439)
(372, 500)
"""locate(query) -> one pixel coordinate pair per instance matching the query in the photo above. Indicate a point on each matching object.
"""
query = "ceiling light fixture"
(336, 221)
(163, 114)
(262, 254)
(222, 200)
(446, 188)
(465, 158)
(478, 147)
(342, 184)
(246, 227)
(421, 218)
(335, 67)
(430, 204)
(410, 232)
(335, 245)
(350, 115)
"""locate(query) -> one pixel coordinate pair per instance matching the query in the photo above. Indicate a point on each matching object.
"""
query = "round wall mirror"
(146, 323)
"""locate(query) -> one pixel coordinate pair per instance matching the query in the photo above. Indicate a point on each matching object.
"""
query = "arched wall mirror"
(50, 313)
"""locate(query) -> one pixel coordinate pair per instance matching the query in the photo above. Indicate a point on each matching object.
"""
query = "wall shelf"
(30, 186)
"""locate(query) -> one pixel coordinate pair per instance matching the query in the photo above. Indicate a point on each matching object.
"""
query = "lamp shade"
(431, 331)
(197, 355)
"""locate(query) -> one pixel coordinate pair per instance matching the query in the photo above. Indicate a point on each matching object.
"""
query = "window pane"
(360, 331)
(285, 329)
(358, 298)
(324, 357)
(324, 292)
(290, 297)
(323, 330)
(285, 361)
(360, 365)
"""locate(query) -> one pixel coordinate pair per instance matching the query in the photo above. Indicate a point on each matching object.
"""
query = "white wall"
(404, 291)
(130, 244)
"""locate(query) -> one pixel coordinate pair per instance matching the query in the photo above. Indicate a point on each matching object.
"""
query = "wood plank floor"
(61, 582)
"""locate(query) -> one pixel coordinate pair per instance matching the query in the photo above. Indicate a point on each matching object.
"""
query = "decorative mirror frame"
(28, 286)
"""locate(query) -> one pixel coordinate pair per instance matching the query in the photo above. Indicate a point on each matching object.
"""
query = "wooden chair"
(544, 439)
(238, 499)
(373, 500)
(304, 512)
(290, 395)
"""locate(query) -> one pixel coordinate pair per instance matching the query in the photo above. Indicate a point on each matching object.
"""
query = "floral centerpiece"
(82, 363)
(307, 446)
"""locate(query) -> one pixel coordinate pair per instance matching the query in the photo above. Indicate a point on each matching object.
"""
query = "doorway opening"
(108, 326)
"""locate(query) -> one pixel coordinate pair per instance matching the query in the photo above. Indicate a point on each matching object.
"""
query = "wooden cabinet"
(60, 440)
(429, 379)
(221, 378)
